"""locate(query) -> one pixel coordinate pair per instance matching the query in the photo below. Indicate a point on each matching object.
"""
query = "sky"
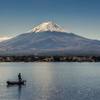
(81, 17)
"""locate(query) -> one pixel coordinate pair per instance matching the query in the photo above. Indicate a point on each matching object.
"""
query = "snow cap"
(48, 26)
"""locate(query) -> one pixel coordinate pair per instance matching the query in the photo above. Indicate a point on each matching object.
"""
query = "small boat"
(16, 82)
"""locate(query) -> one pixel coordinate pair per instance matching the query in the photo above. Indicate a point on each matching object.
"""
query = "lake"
(51, 81)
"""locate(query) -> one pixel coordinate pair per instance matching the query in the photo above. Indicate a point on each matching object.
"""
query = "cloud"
(5, 38)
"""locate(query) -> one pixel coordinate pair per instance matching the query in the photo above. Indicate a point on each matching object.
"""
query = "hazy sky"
(81, 17)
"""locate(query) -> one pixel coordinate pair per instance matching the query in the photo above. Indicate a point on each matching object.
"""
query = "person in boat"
(19, 77)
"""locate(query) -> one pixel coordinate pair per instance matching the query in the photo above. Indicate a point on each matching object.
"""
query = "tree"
(56, 58)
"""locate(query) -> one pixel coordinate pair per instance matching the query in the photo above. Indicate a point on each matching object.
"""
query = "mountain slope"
(48, 37)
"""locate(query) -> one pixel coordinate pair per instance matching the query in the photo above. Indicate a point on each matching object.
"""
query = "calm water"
(51, 81)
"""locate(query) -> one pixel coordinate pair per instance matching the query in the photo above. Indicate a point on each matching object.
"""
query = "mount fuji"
(49, 37)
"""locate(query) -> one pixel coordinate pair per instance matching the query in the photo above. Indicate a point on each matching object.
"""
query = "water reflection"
(43, 81)
(52, 81)
(19, 91)
(18, 87)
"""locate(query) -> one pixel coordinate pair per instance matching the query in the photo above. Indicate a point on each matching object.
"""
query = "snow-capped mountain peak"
(48, 26)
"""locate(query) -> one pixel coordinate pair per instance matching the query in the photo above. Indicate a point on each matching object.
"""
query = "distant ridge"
(47, 38)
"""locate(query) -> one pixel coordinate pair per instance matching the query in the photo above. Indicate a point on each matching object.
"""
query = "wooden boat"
(16, 82)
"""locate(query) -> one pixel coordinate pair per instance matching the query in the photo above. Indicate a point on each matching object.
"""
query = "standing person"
(19, 77)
